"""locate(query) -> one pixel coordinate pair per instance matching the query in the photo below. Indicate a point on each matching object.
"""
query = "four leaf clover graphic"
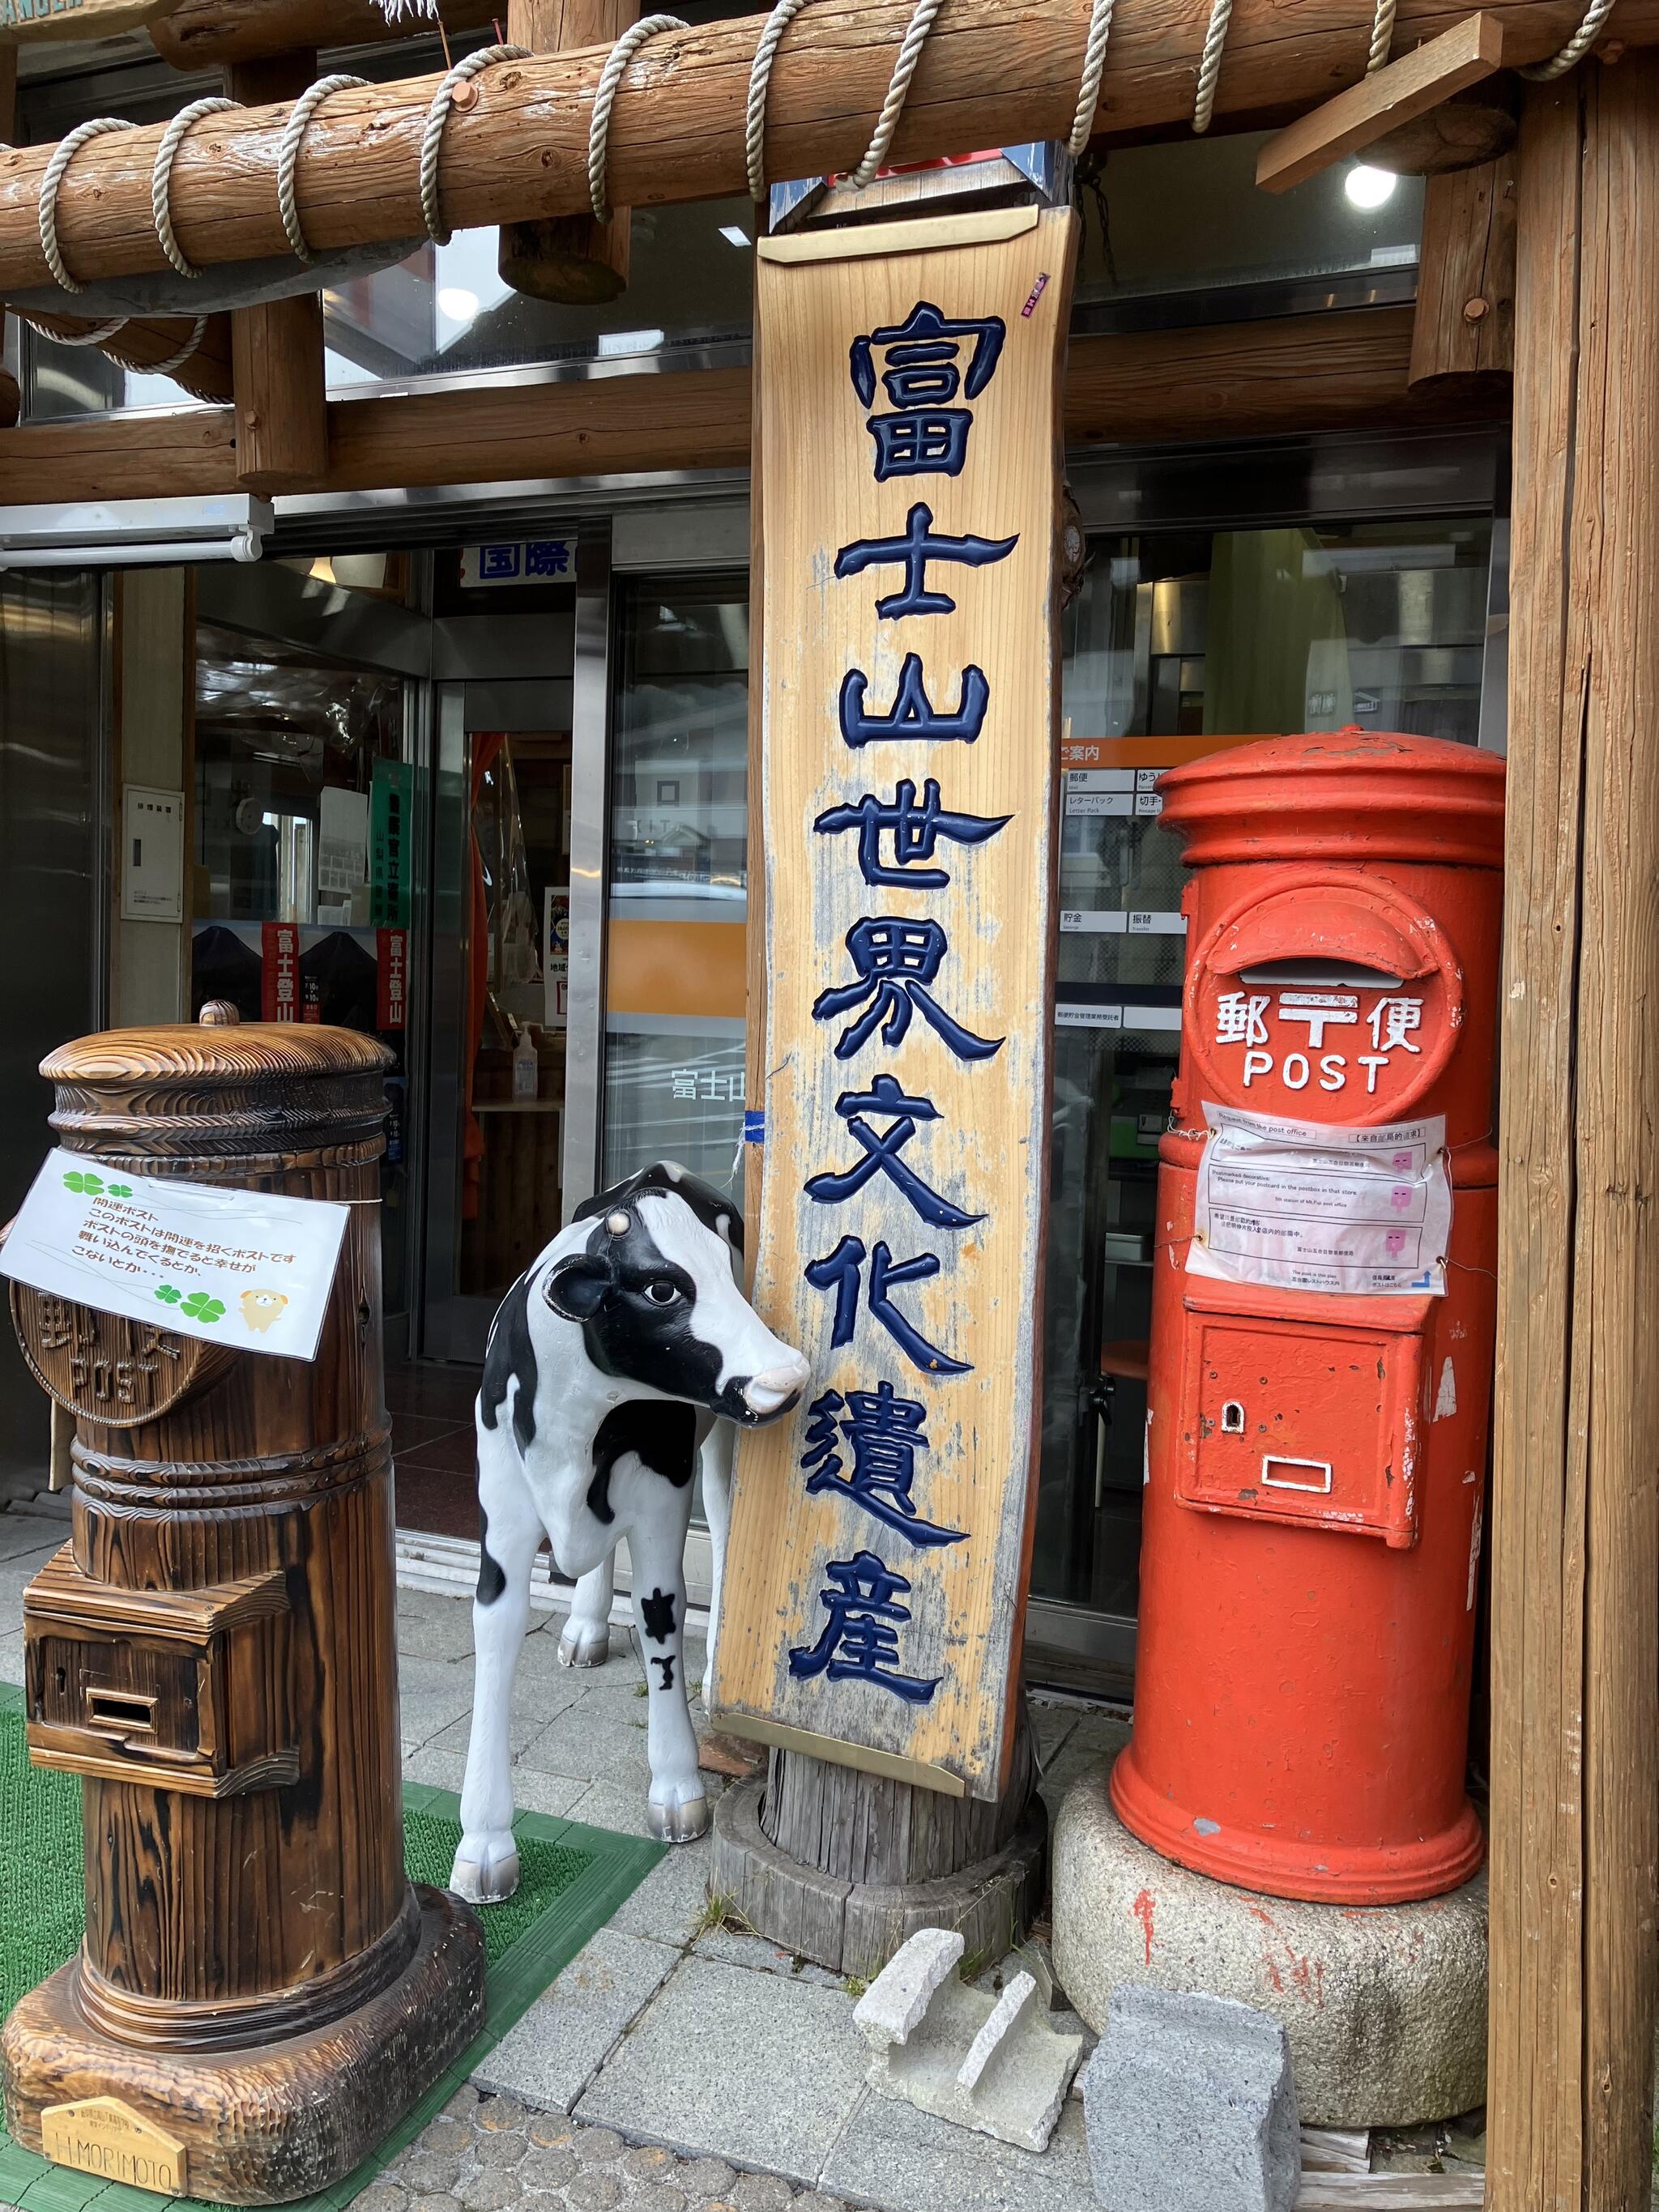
(200, 1307)
(89, 1185)
(169, 1295)
(120, 1190)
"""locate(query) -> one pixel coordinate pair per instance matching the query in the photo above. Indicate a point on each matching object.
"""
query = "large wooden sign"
(908, 462)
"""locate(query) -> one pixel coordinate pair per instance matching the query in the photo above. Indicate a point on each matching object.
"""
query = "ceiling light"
(1367, 187)
(735, 234)
(459, 304)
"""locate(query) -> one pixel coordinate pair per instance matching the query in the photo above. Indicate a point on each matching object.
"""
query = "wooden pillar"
(276, 349)
(1575, 1559)
(1464, 325)
(569, 258)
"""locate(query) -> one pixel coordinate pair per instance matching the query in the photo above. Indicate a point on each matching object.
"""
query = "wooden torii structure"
(1575, 1807)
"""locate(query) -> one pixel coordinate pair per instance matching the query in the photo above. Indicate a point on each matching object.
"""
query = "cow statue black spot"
(612, 1359)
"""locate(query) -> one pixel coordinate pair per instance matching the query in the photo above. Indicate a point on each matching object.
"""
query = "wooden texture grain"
(568, 259)
(1301, 373)
(1464, 322)
(1575, 1661)
(992, 72)
(197, 34)
(144, 340)
(1386, 100)
(215, 1656)
(978, 1138)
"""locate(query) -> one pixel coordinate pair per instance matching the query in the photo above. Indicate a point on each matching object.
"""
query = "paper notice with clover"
(236, 1268)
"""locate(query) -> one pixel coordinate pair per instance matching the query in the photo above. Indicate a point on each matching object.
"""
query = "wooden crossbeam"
(1382, 102)
(1327, 372)
(213, 34)
(992, 72)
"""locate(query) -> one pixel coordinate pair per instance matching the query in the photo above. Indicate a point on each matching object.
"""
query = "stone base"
(286, 2119)
(855, 1928)
(1384, 2006)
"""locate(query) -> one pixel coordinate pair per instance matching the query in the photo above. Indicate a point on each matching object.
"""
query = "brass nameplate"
(100, 2135)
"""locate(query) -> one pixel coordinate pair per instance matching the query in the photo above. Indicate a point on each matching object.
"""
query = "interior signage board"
(908, 455)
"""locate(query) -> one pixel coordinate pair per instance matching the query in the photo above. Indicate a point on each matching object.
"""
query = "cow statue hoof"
(682, 1822)
(585, 1644)
(613, 1360)
(486, 1868)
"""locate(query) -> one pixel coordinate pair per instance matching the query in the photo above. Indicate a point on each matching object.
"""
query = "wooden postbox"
(261, 1992)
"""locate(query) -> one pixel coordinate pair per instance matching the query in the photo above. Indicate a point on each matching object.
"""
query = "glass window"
(676, 973)
(1178, 645)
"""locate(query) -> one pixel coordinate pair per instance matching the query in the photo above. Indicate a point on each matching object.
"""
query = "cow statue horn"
(625, 1351)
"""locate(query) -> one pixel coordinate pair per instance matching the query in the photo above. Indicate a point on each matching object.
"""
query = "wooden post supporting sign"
(1575, 1830)
(908, 398)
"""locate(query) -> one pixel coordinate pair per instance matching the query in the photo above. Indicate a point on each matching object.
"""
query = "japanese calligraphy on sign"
(909, 449)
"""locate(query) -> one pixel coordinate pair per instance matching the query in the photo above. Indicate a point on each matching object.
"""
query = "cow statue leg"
(717, 1447)
(678, 1806)
(585, 1639)
(510, 1534)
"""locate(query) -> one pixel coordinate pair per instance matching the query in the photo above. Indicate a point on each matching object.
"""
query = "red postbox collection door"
(1316, 1460)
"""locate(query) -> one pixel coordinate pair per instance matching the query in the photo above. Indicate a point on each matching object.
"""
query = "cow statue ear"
(576, 1287)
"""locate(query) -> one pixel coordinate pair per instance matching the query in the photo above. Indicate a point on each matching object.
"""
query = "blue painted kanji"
(915, 831)
(913, 551)
(841, 1271)
(880, 1154)
(859, 1642)
(884, 1433)
(921, 357)
(896, 960)
(913, 714)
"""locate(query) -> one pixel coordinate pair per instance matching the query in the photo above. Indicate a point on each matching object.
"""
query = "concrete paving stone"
(670, 1902)
(649, 2162)
(597, 2146)
(445, 2135)
(597, 1739)
(22, 1532)
(16, 1574)
(1051, 1725)
(814, 2200)
(657, 2196)
(463, 2104)
(534, 1708)
(750, 2067)
(499, 2113)
(762, 2193)
(706, 2177)
(445, 2202)
(550, 2055)
(594, 2192)
(550, 2131)
(383, 2196)
(11, 1658)
(619, 1806)
(489, 2191)
(549, 2169)
(905, 2160)
(429, 2171)
(432, 1693)
(763, 1957)
(503, 2150)
(431, 1625)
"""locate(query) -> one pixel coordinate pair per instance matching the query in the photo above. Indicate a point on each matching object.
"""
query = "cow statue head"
(655, 1291)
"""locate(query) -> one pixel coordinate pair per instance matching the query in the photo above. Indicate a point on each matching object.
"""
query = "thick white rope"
(95, 337)
(1576, 48)
(1094, 65)
(432, 143)
(190, 348)
(66, 151)
(760, 77)
(915, 38)
(1215, 38)
(1381, 36)
(287, 154)
(598, 129)
(161, 176)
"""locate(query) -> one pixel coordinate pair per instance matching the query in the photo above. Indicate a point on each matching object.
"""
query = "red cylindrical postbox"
(1316, 1458)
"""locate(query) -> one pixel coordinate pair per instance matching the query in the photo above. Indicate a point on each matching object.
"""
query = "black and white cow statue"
(611, 1359)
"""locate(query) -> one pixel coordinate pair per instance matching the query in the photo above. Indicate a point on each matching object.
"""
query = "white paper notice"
(1314, 1206)
(232, 1267)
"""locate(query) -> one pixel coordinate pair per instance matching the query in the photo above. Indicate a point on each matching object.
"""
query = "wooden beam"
(1246, 379)
(572, 259)
(277, 349)
(1464, 323)
(1384, 101)
(992, 72)
(145, 341)
(200, 35)
(1575, 1826)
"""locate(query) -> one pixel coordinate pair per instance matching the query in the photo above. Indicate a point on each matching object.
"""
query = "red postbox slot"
(1313, 1422)
(1323, 936)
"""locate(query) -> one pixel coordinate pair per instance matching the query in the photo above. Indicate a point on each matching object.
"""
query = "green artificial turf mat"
(572, 1878)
